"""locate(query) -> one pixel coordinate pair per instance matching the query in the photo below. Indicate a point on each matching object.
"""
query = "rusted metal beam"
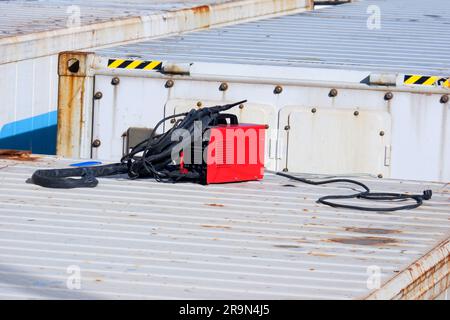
(73, 101)
(426, 278)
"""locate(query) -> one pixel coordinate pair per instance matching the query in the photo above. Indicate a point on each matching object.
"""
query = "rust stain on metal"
(320, 254)
(364, 241)
(203, 13)
(427, 285)
(201, 9)
(426, 278)
(215, 205)
(215, 226)
(372, 230)
(18, 155)
(70, 103)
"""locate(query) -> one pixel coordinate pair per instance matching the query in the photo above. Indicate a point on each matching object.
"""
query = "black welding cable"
(63, 178)
(366, 194)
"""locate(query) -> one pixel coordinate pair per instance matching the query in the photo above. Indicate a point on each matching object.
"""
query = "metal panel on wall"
(331, 141)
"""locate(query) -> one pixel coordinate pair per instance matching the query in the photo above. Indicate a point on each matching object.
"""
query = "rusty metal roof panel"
(31, 29)
(375, 35)
(253, 240)
(25, 17)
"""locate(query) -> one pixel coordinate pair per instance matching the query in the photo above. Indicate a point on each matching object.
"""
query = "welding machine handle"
(222, 119)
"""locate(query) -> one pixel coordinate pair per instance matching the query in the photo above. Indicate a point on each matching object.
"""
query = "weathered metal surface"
(47, 27)
(73, 102)
(256, 240)
(19, 155)
(365, 66)
(427, 278)
(33, 32)
(421, 154)
(305, 40)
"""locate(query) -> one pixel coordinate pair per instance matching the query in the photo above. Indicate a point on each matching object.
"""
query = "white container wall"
(355, 100)
(32, 33)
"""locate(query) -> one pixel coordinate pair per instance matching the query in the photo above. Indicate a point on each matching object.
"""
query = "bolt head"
(115, 81)
(96, 143)
(169, 83)
(98, 95)
(388, 96)
(287, 127)
(199, 104)
(381, 133)
(223, 86)
(285, 170)
(333, 93)
(241, 106)
(445, 98)
(278, 90)
(313, 110)
(173, 120)
(380, 176)
(356, 113)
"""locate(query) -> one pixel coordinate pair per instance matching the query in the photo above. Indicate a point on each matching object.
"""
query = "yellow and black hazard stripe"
(419, 80)
(134, 64)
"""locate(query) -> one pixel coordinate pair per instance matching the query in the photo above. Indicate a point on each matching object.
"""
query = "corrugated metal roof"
(24, 17)
(143, 239)
(412, 37)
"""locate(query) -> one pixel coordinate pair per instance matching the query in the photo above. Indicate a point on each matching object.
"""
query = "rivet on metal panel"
(287, 128)
(96, 143)
(169, 84)
(356, 113)
(388, 96)
(313, 110)
(278, 90)
(381, 133)
(444, 98)
(115, 81)
(223, 86)
(73, 65)
(380, 175)
(285, 170)
(199, 104)
(333, 93)
(241, 106)
(98, 95)
(173, 120)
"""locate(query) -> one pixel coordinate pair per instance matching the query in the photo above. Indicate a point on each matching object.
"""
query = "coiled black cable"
(366, 194)
(150, 158)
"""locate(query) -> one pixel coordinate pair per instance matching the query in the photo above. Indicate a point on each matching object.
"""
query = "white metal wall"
(31, 34)
(19, 84)
(28, 88)
(414, 125)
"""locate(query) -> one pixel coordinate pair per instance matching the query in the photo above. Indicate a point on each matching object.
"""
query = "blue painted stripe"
(37, 134)
(85, 164)
(29, 124)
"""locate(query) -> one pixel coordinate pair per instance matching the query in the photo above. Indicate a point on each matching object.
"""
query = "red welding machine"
(231, 153)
